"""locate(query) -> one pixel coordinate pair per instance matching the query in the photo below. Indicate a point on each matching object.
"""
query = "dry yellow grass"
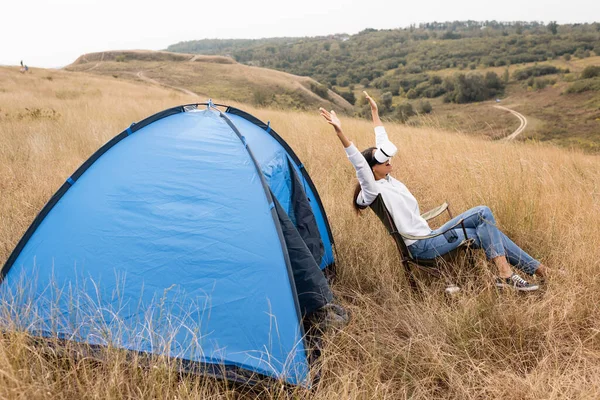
(481, 344)
(213, 76)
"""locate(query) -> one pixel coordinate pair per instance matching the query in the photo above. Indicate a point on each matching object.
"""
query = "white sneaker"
(451, 289)
(517, 283)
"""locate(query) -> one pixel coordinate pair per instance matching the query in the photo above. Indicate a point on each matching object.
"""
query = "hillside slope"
(555, 113)
(214, 77)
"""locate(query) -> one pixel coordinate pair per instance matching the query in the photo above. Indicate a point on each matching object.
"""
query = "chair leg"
(410, 276)
(470, 255)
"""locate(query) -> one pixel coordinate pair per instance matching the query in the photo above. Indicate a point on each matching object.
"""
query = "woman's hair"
(368, 155)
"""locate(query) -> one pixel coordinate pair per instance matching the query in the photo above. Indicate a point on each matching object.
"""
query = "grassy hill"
(480, 344)
(554, 114)
(416, 68)
(369, 55)
(216, 77)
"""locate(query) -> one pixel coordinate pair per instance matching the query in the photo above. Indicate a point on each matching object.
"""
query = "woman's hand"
(331, 118)
(374, 110)
(371, 102)
(334, 121)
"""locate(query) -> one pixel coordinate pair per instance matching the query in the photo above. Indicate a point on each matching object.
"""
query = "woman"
(373, 166)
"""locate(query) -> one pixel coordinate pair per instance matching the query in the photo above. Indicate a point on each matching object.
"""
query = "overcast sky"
(53, 33)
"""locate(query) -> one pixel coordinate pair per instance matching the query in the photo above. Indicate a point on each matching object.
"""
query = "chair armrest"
(413, 237)
(435, 212)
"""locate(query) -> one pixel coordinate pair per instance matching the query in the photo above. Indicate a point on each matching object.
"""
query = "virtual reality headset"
(385, 152)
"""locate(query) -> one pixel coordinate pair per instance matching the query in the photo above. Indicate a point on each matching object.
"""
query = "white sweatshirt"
(401, 204)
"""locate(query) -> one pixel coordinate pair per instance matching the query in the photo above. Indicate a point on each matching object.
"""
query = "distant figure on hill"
(24, 68)
(373, 167)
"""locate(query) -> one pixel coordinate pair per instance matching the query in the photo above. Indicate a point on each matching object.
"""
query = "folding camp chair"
(434, 266)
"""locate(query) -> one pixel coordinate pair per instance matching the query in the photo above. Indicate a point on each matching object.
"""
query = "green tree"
(553, 27)
(348, 96)
(519, 29)
(469, 88)
(492, 81)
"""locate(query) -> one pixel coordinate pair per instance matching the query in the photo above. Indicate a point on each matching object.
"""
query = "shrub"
(567, 57)
(435, 80)
(492, 81)
(425, 107)
(404, 111)
(434, 91)
(414, 69)
(348, 96)
(541, 83)
(121, 58)
(581, 53)
(591, 71)
(412, 94)
(320, 90)
(538, 70)
(260, 97)
(584, 85)
(386, 101)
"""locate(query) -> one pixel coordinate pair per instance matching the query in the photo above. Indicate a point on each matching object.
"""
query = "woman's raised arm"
(381, 136)
(364, 174)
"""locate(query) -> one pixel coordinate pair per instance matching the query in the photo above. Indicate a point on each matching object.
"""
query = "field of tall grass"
(479, 344)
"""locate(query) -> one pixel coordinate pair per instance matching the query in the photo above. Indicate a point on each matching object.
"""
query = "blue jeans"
(481, 227)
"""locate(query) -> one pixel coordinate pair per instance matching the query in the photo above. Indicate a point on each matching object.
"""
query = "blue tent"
(195, 234)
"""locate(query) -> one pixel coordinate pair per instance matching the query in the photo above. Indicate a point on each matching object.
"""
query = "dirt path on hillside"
(96, 65)
(521, 127)
(141, 75)
(91, 68)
